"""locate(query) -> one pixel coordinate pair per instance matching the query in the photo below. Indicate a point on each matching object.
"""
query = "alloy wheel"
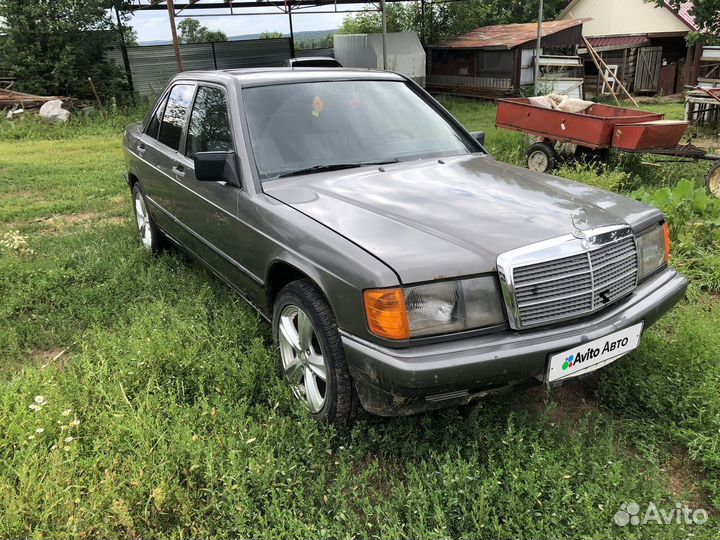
(302, 357)
(143, 220)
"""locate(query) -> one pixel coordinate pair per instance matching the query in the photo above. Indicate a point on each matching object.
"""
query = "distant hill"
(299, 36)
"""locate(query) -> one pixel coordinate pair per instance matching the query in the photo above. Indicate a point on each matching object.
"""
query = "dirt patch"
(670, 98)
(570, 402)
(54, 357)
(685, 478)
(58, 223)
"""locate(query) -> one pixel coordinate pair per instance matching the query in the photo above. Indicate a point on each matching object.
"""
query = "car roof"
(287, 75)
(312, 58)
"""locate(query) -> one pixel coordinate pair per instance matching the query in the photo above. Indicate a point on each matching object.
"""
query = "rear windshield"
(316, 62)
(294, 127)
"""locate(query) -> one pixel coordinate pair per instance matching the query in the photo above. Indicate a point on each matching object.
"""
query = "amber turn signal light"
(666, 230)
(386, 313)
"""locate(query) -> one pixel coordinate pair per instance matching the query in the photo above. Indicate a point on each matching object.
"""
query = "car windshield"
(317, 126)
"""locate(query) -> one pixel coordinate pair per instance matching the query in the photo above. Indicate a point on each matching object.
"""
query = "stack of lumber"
(8, 98)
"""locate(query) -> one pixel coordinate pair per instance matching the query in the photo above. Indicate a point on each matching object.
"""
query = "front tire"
(150, 236)
(312, 360)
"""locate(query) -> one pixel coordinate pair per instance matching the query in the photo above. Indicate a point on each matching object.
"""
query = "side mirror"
(216, 167)
(479, 136)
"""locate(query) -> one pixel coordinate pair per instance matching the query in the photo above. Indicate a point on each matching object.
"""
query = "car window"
(209, 128)
(154, 121)
(174, 116)
(318, 124)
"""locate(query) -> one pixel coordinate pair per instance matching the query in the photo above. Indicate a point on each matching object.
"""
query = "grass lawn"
(138, 396)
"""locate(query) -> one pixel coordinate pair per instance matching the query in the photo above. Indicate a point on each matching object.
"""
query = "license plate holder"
(593, 355)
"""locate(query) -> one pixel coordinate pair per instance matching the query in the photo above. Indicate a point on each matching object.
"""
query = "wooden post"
(688, 65)
(97, 97)
(517, 68)
(173, 30)
(696, 64)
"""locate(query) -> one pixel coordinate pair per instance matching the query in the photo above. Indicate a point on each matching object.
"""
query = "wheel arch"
(132, 179)
(281, 272)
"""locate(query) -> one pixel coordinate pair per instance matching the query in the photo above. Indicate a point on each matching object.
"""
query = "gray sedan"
(400, 266)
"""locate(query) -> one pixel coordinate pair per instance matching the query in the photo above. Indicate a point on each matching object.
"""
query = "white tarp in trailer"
(405, 54)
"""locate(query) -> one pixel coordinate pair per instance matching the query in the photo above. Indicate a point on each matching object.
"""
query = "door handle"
(141, 149)
(179, 171)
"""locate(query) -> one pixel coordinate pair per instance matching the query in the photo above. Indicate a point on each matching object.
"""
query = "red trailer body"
(646, 136)
(600, 127)
(592, 128)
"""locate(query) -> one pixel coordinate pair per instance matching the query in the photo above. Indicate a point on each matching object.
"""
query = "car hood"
(431, 219)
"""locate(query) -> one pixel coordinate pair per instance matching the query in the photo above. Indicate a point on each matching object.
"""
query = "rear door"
(160, 147)
(145, 148)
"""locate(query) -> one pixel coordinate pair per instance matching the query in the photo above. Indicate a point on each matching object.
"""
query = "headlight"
(435, 308)
(653, 250)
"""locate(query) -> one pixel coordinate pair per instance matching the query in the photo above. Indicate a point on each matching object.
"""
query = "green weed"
(138, 396)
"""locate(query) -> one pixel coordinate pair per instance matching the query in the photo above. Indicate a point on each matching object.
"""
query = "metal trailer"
(596, 130)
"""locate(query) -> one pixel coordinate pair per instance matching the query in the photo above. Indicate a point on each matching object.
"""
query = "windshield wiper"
(335, 167)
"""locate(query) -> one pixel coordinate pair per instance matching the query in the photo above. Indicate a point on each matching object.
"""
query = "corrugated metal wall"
(315, 52)
(153, 66)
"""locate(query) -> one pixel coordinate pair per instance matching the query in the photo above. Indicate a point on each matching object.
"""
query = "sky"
(154, 25)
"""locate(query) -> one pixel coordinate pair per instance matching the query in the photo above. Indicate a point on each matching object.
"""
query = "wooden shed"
(643, 44)
(498, 60)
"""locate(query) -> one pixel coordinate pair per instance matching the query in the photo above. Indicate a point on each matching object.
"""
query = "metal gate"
(647, 72)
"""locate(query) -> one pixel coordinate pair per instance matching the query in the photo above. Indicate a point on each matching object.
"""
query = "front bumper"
(393, 382)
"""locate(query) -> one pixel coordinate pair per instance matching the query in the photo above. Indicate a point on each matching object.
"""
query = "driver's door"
(208, 210)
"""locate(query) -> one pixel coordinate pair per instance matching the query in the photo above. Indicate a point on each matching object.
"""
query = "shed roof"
(508, 36)
(684, 14)
(618, 42)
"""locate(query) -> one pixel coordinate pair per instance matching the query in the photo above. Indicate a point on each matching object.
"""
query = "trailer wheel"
(713, 180)
(541, 157)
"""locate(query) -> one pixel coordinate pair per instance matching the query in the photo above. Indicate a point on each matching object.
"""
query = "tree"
(191, 31)
(706, 14)
(130, 35)
(53, 47)
(121, 22)
(214, 35)
(319, 42)
(267, 34)
(447, 19)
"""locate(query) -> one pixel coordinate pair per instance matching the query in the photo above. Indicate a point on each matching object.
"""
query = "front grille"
(573, 285)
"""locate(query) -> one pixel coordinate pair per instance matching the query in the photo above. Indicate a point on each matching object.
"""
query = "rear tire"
(150, 236)
(713, 180)
(542, 157)
(312, 359)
